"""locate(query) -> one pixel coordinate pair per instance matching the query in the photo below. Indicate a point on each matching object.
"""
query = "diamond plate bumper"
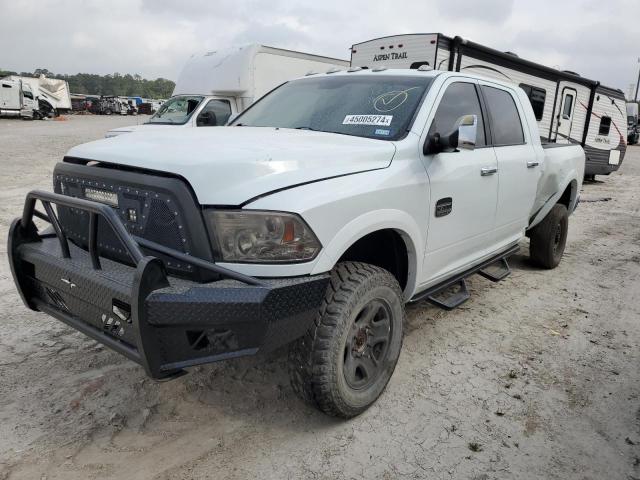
(161, 322)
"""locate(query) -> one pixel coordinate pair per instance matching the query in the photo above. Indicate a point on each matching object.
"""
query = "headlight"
(262, 237)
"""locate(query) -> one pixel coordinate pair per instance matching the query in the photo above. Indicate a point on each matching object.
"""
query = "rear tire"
(343, 364)
(549, 238)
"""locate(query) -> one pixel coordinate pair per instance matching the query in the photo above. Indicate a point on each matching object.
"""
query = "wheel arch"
(353, 240)
(568, 195)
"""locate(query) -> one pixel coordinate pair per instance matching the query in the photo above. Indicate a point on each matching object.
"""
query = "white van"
(218, 85)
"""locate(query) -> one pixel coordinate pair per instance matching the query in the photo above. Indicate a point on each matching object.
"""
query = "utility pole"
(637, 84)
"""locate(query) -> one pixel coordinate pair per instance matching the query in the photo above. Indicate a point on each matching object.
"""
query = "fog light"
(123, 312)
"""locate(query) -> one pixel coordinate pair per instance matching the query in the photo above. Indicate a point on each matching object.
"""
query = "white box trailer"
(52, 91)
(217, 85)
(16, 99)
(569, 108)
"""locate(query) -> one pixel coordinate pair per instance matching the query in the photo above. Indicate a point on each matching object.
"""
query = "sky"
(154, 38)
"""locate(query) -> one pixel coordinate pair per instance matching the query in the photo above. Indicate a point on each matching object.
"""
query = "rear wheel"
(549, 238)
(342, 365)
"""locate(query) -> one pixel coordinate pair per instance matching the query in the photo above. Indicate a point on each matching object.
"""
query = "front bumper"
(162, 322)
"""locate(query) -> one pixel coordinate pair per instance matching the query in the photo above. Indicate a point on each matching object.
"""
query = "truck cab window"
(537, 97)
(506, 127)
(215, 113)
(459, 99)
(28, 94)
(176, 110)
(372, 106)
(605, 126)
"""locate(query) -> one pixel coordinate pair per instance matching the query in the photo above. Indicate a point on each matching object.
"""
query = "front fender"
(370, 222)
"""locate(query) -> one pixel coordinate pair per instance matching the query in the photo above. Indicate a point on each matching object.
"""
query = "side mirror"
(206, 119)
(463, 137)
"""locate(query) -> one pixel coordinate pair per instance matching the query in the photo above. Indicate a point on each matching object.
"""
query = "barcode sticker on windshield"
(378, 120)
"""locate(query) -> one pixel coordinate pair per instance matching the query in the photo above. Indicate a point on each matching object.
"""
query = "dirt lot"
(534, 377)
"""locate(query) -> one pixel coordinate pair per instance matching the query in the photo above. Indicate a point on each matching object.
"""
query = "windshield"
(372, 106)
(176, 110)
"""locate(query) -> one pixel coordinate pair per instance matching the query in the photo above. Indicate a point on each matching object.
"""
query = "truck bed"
(563, 163)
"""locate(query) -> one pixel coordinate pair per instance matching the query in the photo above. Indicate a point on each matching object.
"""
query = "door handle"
(532, 164)
(488, 171)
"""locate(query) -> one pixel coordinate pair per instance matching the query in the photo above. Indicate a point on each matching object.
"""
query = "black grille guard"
(170, 324)
(131, 243)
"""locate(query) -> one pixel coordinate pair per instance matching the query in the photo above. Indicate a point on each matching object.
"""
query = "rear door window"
(506, 126)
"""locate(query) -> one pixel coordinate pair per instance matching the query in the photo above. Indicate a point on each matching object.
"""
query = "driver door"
(214, 114)
(463, 188)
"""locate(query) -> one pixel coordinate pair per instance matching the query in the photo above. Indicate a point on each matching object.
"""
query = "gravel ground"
(535, 377)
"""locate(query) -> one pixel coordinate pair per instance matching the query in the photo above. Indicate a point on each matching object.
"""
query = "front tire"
(549, 238)
(343, 364)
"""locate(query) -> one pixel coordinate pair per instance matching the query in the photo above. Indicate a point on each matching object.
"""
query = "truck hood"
(230, 165)
(135, 128)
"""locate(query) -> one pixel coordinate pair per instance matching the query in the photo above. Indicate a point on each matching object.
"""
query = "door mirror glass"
(467, 132)
(463, 137)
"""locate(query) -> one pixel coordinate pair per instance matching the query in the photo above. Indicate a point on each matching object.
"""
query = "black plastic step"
(497, 271)
(454, 299)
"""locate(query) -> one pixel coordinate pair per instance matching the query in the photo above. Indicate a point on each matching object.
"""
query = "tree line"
(126, 85)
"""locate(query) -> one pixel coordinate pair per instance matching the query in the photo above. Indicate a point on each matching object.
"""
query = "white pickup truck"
(311, 221)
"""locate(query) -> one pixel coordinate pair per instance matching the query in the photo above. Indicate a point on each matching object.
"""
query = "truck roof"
(407, 72)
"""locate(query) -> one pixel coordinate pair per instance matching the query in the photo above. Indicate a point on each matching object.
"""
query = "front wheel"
(549, 238)
(342, 365)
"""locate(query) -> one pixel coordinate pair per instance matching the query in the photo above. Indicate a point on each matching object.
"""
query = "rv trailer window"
(537, 97)
(568, 107)
(605, 126)
(459, 99)
(4, 85)
(506, 127)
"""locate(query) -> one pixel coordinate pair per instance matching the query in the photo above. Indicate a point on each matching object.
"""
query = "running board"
(455, 299)
(495, 269)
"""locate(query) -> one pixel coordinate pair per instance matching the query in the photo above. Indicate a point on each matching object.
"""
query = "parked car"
(106, 105)
(310, 221)
(215, 86)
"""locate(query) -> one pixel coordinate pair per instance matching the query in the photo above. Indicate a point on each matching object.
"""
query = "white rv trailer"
(16, 99)
(52, 91)
(569, 108)
(215, 86)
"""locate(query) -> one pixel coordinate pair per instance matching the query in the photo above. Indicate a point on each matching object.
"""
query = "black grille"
(162, 227)
(162, 215)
